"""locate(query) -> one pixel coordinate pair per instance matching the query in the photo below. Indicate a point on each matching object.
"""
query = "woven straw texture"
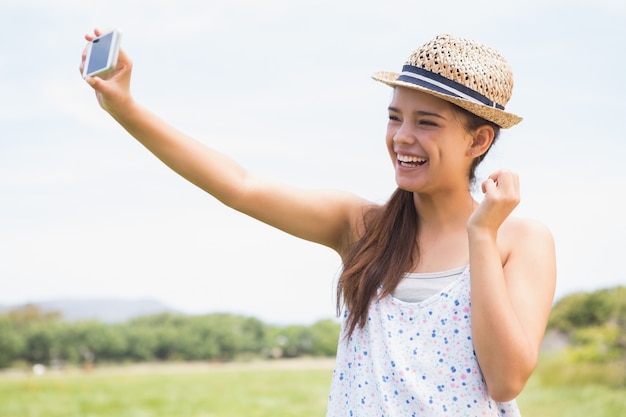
(469, 63)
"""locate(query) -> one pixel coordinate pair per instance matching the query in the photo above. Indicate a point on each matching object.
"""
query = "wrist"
(481, 233)
(123, 109)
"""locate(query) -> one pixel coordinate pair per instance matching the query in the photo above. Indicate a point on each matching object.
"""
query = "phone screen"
(99, 55)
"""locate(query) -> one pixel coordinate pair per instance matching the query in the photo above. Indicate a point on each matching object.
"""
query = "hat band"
(436, 82)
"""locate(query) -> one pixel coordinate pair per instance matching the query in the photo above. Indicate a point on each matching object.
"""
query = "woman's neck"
(444, 211)
(442, 233)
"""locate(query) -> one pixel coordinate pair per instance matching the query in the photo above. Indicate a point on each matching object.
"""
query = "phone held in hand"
(102, 53)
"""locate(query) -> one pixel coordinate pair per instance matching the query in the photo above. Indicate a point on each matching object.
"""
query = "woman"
(412, 342)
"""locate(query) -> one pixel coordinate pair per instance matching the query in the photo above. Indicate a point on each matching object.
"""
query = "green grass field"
(562, 389)
(169, 390)
(286, 389)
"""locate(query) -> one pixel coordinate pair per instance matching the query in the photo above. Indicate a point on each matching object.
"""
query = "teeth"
(411, 159)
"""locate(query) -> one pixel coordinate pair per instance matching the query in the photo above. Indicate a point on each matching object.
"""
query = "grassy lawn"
(572, 401)
(254, 392)
(559, 388)
(297, 389)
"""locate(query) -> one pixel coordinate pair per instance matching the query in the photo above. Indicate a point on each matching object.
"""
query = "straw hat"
(466, 73)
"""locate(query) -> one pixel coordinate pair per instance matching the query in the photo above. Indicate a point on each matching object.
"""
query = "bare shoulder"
(520, 228)
(525, 238)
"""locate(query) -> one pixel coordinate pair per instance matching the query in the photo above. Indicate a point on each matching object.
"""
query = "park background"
(284, 87)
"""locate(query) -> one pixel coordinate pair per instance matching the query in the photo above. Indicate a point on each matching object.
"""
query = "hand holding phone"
(112, 88)
(102, 53)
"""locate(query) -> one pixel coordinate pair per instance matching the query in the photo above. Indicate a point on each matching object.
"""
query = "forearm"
(502, 346)
(210, 170)
(319, 216)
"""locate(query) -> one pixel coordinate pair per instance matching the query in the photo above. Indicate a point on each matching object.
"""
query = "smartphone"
(102, 53)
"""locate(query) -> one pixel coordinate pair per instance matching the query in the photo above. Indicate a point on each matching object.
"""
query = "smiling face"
(429, 145)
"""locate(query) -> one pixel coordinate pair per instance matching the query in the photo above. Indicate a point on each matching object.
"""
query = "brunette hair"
(387, 248)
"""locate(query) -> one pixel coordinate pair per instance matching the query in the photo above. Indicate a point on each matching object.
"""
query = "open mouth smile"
(408, 161)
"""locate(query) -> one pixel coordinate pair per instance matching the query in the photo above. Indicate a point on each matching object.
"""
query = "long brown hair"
(386, 251)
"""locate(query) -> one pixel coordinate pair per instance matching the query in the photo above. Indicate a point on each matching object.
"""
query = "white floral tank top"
(413, 359)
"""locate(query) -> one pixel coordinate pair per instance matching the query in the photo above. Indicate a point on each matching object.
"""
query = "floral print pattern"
(413, 359)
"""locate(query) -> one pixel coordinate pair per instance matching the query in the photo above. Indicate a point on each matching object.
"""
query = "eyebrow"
(418, 113)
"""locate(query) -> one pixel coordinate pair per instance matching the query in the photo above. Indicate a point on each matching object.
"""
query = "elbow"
(508, 381)
(505, 392)
(238, 195)
(509, 388)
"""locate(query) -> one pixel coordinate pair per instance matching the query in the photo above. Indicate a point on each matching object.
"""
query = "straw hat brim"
(503, 119)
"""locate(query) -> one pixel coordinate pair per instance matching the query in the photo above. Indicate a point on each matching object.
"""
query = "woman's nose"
(403, 135)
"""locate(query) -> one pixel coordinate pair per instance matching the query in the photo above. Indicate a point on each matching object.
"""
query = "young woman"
(421, 335)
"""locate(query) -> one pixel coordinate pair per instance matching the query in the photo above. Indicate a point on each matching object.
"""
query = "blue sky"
(284, 88)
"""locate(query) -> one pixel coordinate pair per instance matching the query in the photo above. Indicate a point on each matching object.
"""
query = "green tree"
(595, 323)
(31, 335)
(596, 343)
(141, 342)
(254, 333)
(98, 341)
(294, 340)
(580, 310)
(325, 335)
(41, 342)
(11, 344)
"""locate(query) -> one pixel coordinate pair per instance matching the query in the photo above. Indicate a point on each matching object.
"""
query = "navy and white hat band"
(440, 84)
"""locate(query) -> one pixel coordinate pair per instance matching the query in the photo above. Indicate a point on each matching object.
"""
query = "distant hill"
(107, 310)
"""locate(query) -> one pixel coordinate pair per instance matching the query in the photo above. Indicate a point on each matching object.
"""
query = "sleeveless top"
(413, 359)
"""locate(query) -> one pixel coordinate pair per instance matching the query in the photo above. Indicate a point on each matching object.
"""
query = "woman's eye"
(427, 123)
(394, 118)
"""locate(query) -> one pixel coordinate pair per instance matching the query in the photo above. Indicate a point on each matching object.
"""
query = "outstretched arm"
(513, 276)
(325, 217)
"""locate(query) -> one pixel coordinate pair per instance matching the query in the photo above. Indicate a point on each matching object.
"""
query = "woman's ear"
(483, 138)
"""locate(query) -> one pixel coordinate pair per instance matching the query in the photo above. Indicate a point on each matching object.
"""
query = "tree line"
(595, 324)
(28, 335)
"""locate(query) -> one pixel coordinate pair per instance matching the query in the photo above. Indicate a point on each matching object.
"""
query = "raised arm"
(325, 217)
(513, 276)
